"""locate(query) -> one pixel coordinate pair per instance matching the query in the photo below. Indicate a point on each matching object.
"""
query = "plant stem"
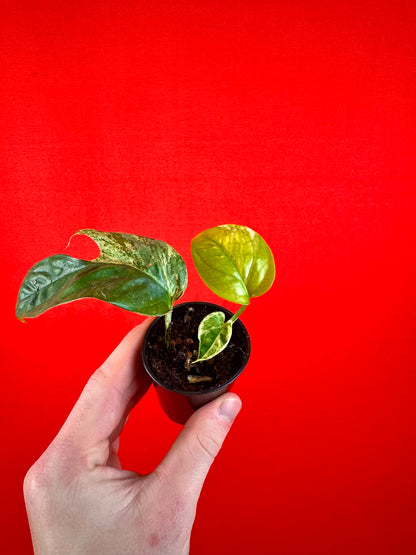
(168, 320)
(237, 314)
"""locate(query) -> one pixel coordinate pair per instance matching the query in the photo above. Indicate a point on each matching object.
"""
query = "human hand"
(80, 501)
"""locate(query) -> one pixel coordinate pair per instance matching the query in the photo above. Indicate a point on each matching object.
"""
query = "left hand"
(78, 498)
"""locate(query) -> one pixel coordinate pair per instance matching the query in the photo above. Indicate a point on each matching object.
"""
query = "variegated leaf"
(135, 273)
(214, 335)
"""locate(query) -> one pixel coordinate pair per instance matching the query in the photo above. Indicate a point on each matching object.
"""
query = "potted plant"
(192, 353)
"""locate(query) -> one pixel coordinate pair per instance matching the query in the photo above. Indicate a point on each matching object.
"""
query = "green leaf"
(234, 262)
(135, 273)
(214, 335)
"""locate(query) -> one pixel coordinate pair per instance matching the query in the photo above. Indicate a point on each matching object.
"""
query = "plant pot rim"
(204, 391)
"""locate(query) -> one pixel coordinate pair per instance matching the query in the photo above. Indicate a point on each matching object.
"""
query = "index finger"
(109, 394)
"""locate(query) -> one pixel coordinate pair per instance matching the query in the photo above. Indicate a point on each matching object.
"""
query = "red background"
(164, 118)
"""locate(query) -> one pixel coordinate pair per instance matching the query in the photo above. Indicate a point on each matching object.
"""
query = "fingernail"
(230, 408)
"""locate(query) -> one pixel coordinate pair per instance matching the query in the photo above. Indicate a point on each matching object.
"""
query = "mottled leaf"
(214, 335)
(135, 273)
(234, 262)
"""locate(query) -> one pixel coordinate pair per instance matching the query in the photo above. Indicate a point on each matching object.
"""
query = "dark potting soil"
(171, 366)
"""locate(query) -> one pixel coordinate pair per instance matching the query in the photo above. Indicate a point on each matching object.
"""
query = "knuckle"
(29, 482)
(35, 481)
(208, 444)
(97, 379)
(41, 476)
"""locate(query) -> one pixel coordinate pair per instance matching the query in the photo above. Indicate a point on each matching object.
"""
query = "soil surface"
(172, 366)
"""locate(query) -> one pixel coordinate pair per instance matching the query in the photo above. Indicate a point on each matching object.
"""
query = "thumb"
(189, 459)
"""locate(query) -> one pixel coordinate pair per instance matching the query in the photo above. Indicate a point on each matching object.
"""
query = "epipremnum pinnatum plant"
(147, 276)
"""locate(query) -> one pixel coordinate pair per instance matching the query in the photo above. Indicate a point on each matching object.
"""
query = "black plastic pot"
(179, 404)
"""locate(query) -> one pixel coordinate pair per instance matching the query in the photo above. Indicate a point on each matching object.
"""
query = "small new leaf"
(214, 335)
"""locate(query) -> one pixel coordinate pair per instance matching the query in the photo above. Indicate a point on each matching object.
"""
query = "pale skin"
(78, 498)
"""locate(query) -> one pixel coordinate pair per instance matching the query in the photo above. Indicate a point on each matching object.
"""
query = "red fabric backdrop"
(163, 118)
